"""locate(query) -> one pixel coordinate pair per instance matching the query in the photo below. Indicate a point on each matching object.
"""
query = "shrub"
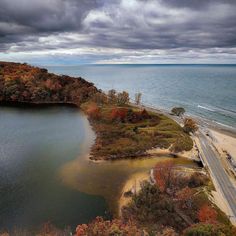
(118, 114)
(207, 214)
(190, 126)
(197, 180)
(93, 112)
(178, 111)
(210, 230)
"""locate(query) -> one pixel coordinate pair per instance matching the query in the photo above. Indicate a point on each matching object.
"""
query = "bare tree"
(123, 98)
(138, 98)
(112, 96)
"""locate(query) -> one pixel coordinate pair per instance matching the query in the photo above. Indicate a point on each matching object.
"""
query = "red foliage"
(163, 175)
(119, 114)
(81, 230)
(207, 214)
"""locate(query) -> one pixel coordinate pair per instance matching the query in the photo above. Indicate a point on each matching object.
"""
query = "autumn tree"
(99, 98)
(138, 98)
(178, 111)
(164, 175)
(185, 197)
(21, 82)
(190, 126)
(93, 111)
(123, 98)
(207, 214)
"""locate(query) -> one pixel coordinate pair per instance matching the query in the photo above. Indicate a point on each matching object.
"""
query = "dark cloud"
(32, 25)
(196, 4)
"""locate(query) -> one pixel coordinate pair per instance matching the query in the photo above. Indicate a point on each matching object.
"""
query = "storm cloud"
(118, 30)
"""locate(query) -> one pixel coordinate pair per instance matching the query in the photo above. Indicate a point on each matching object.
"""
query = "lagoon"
(46, 174)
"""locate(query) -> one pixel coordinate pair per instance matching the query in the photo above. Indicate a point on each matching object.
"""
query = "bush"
(210, 230)
(178, 111)
(190, 126)
(197, 180)
(93, 112)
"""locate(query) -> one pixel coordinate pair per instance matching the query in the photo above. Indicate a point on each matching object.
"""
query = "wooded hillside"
(25, 83)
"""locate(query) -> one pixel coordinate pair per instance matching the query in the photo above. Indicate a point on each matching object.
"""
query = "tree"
(123, 98)
(163, 173)
(207, 214)
(185, 197)
(190, 126)
(100, 98)
(93, 111)
(112, 96)
(178, 111)
(138, 98)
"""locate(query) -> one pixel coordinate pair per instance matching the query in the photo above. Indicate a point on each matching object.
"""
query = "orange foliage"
(119, 114)
(93, 111)
(207, 214)
(24, 83)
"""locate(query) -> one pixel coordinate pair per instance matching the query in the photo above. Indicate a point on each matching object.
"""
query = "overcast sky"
(118, 31)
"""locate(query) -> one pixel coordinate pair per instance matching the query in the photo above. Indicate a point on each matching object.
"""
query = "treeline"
(24, 83)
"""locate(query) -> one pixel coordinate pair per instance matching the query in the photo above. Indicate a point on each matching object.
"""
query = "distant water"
(208, 91)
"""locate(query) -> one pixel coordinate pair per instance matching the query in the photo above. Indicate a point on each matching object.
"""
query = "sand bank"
(133, 184)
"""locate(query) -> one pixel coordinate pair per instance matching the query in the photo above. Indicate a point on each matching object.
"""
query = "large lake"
(207, 91)
(45, 173)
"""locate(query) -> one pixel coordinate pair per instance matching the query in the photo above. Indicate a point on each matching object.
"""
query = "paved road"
(211, 157)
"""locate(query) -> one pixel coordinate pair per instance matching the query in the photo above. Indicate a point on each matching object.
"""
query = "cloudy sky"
(118, 31)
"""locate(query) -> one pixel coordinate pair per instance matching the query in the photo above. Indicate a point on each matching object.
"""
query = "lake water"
(34, 144)
(208, 91)
(45, 173)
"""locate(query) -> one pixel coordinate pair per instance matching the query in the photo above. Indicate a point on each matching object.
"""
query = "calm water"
(45, 173)
(207, 91)
(34, 145)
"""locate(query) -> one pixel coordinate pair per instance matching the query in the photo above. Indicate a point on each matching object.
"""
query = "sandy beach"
(225, 143)
(133, 184)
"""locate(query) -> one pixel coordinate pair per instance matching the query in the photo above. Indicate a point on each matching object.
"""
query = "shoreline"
(203, 122)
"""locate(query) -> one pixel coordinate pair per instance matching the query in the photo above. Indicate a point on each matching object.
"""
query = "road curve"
(212, 159)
